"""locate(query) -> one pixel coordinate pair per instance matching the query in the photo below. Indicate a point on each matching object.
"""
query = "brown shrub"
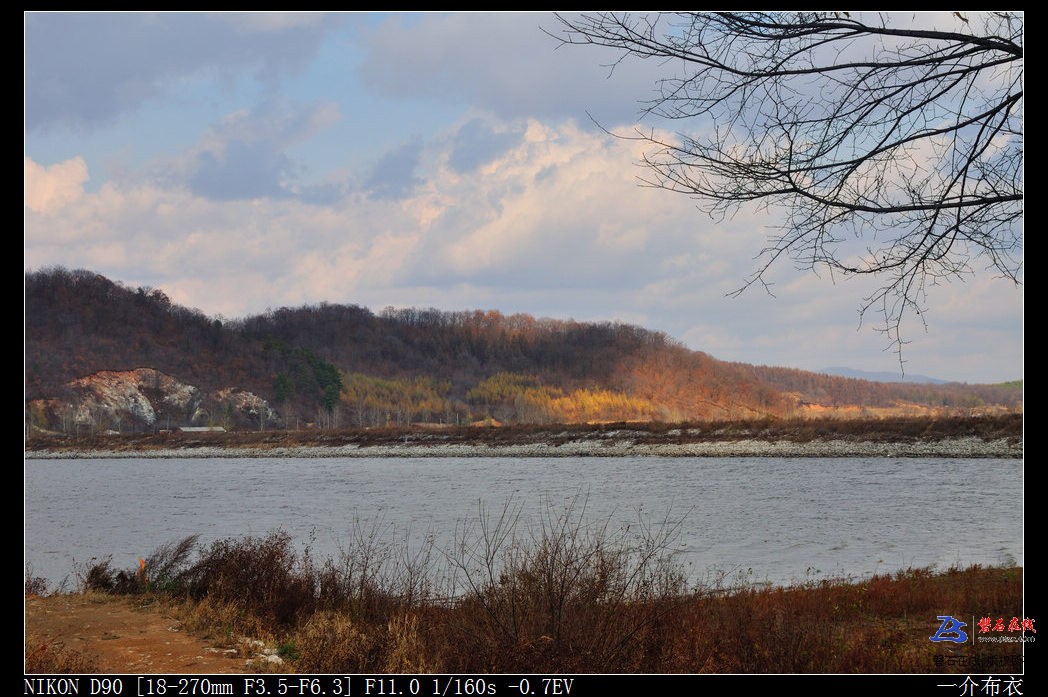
(48, 656)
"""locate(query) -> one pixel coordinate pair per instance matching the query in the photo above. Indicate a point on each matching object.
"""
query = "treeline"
(502, 398)
(835, 391)
(78, 323)
(343, 365)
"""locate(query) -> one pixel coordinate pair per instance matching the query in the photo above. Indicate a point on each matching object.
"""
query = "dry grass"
(45, 656)
(565, 597)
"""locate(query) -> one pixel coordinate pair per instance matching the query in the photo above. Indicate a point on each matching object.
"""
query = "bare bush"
(567, 594)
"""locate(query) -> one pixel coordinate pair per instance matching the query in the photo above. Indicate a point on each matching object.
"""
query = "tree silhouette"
(892, 144)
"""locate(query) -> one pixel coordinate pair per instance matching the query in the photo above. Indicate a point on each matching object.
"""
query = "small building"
(202, 429)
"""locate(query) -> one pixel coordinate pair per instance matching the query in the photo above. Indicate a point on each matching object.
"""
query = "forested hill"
(345, 365)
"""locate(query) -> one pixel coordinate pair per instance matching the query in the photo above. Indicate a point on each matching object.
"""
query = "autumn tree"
(891, 145)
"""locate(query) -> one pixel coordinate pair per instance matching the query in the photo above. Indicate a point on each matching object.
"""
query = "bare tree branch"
(892, 150)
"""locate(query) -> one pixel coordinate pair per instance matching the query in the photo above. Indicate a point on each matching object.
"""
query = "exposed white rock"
(146, 397)
(114, 395)
(246, 403)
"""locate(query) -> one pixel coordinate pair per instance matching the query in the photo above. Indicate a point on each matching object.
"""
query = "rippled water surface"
(782, 520)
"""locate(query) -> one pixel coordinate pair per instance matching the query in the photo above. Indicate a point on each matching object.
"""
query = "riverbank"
(249, 606)
(964, 447)
(988, 436)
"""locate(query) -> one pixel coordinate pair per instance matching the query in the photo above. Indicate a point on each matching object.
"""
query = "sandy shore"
(950, 447)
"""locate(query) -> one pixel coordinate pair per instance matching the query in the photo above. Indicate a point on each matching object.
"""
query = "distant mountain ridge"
(883, 376)
(88, 339)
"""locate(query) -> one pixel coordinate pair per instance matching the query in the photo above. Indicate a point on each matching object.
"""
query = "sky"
(242, 162)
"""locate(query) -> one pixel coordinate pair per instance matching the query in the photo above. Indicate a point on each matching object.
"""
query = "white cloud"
(560, 209)
(49, 188)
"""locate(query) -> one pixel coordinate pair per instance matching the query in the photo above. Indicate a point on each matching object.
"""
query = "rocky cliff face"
(146, 399)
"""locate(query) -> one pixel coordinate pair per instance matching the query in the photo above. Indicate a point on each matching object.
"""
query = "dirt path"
(117, 636)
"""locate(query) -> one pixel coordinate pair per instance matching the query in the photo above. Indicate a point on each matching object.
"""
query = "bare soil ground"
(112, 634)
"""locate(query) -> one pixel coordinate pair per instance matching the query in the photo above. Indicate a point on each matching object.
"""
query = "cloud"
(49, 188)
(560, 209)
(393, 177)
(245, 156)
(477, 143)
(83, 70)
(276, 21)
(556, 212)
(242, 170)
(503, 63)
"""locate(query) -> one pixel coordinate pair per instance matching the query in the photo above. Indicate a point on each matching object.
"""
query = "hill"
(880, 376)
(104, 356)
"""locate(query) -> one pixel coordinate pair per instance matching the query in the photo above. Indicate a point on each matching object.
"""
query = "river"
(755, 520)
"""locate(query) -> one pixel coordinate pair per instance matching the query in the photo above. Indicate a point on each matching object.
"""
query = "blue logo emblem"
(950, 630)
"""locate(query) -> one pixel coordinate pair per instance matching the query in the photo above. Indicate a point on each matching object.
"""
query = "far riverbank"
(963, 437)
